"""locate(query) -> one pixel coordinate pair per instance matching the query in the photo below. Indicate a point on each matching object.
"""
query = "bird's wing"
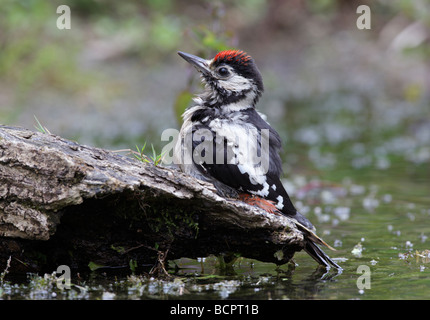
(243, 155)
(240, 154)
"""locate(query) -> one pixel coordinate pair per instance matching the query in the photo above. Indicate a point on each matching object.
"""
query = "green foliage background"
(114, 79)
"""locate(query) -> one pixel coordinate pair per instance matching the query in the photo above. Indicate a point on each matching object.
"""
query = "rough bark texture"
(66, 203)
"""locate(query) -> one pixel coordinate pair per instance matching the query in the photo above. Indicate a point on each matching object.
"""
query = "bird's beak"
(199, 63)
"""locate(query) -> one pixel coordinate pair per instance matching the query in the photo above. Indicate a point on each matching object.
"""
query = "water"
(380, 226)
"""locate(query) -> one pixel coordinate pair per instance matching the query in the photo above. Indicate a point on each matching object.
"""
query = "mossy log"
(63, 203)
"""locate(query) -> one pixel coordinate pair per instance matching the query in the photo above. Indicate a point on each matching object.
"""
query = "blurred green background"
(114, 79)
(352, 106)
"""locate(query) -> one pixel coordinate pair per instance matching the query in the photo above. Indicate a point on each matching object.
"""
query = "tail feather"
(319, 256)
(316, 252)
(310, 234)
(278, 198)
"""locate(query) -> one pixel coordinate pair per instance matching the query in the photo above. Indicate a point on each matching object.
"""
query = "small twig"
(159, 269)
(6, 270)
(137, 247)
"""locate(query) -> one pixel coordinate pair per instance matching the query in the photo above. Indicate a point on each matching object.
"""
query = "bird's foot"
(264, 204)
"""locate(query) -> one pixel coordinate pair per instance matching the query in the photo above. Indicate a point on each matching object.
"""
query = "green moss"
(165, 219)
(158, 216)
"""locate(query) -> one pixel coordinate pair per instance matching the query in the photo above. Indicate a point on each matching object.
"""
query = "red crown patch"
(233, 55)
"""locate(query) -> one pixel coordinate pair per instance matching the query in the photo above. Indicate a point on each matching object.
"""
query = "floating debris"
(423, 256)
(387, 198)
(411, 216)
(321, 192)
(405, 256)
(342, 213)
(357, 250)
(108, 295)
(370, 203)
(356, 189)
(226, 287)
(337, 243)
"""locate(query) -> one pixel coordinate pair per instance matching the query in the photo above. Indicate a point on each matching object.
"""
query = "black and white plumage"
(226, 141)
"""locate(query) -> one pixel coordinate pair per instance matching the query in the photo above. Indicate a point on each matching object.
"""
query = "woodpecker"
(226, 141)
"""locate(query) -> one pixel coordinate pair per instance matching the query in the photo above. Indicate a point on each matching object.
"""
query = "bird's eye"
(223, 72)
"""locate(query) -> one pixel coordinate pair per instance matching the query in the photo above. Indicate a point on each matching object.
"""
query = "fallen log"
(63, 203)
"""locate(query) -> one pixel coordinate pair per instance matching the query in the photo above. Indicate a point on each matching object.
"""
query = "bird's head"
(232, 79)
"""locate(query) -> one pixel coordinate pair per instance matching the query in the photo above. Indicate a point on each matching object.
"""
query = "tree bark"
(66, 203)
